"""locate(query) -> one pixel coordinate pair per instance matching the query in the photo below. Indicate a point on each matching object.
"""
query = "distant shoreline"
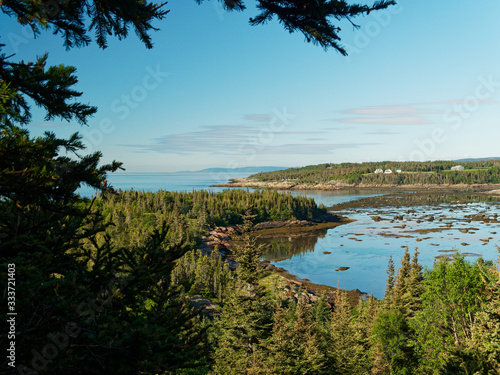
(245, 182)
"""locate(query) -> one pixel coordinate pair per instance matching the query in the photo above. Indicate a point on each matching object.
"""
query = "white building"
(387, 171)
(457, 168)
(379, 170)
(398, 170)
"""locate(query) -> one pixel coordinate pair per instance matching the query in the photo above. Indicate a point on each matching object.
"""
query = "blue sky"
(421, 82)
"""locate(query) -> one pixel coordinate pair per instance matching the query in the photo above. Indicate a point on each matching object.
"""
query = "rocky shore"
(493, 189)
(288, 286)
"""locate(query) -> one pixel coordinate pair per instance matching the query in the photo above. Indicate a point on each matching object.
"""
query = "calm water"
(175, 181)
(364, 245)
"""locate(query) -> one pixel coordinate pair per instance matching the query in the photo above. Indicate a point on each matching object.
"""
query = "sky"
(421, 82)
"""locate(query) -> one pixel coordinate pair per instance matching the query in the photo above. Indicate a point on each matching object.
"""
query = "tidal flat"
(355, 255)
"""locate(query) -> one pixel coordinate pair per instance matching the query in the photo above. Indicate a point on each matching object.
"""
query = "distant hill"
(393, 173)
(475, 159)
(240, 170)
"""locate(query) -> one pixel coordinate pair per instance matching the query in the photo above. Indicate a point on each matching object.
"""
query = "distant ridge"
(476, 159)
(239, 170)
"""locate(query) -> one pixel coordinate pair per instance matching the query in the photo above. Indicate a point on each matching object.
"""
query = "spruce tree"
(246, 319)
(484, 343)
(401, 282)
(389, 290)
(294, 346)
(347, 345)
(412, 299)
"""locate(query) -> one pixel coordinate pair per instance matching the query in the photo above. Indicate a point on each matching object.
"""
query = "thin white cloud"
(242, 139)
(387, 120)
(259, 117)
(410, 114)
(386, 110)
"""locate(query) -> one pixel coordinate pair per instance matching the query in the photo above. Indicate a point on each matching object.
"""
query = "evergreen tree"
(452, 297)
(246, 320)
(389, 290)
(393, 335)
(401, 284)
(484, 343)
(294, 347)
(412, 299)
(347, 346)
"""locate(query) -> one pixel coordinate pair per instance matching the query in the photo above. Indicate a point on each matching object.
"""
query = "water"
(366, 245)
(174, 181)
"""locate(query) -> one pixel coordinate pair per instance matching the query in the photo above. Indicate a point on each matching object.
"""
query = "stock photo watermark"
(455, 117)
(252, 146)
(371, 30)
(124, 105)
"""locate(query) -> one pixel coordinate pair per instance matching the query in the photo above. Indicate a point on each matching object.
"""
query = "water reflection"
(279, 248)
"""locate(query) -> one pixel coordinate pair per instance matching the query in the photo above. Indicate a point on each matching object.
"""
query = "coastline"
(226, 238)
(493, 189)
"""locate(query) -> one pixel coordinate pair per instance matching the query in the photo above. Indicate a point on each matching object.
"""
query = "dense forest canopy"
(411, 173)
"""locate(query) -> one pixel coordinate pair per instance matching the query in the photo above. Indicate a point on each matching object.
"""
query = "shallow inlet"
(366, 244)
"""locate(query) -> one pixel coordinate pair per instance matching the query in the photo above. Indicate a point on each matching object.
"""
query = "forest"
(122, 297)
(412, 173)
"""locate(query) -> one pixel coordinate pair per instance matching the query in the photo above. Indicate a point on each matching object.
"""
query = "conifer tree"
(412, 299)
(246, 320)
(401, 282)
(389, 290)
(393, 335)
(484, 343)
(453, 295)
(294, 347)
(347, 343)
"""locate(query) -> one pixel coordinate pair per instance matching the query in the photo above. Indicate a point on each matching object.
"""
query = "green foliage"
(348, 344)
(134, 214)
(393, 353)
(484, 342)
(294, 347)
(390, 280)
(51, 89)
(246, 320)
(70, 18)
(313, 20)
(106, 280)
(393, 335)
(413, 173)
(209, 276)
(453, 294)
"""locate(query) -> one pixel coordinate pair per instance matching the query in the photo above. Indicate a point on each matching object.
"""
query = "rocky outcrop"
(221, 238)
